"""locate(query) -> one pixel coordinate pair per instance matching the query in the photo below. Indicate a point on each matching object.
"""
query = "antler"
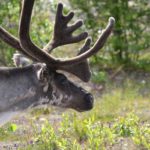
(63, 33)
(29, 49)
(33, 50)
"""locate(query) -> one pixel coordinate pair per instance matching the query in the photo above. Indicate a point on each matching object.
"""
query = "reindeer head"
(60, 91)
(68, 95)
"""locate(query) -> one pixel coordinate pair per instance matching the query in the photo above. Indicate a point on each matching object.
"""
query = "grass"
(119, 119)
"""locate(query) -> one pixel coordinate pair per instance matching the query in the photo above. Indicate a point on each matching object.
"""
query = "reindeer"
(40, 83)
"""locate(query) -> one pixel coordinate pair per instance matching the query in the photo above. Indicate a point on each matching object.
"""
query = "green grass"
(121, 115)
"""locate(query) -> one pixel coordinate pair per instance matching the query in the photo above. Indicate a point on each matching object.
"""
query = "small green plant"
(7, 131)
(12, 127)
(47, 137)
(126, 126)
(142, 136)
(130, 126)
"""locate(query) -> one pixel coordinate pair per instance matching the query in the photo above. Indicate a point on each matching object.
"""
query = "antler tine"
(12, 41)
(29, 47)
(86, 46)
(62, 33)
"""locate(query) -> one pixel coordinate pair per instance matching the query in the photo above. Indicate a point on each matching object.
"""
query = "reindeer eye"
(63, 79)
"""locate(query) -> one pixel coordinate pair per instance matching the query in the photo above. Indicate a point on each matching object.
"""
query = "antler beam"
(13, 41)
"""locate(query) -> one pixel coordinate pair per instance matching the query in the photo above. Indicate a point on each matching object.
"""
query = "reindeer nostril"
(89, 98)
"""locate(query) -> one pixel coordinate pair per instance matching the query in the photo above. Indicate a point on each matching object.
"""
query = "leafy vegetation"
(92, 134)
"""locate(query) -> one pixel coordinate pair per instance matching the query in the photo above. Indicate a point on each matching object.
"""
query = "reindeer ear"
(82, 69)
(20, 60)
